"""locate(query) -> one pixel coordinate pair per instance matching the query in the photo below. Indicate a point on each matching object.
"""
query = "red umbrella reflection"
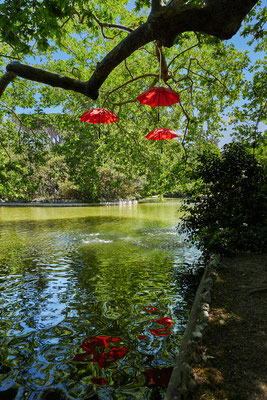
(99, 350)
(99, 116)
(160, 332)
(163, 321)
(99, 381)
(166, 321)
(100, 341)
(158, 376)
(150, 308)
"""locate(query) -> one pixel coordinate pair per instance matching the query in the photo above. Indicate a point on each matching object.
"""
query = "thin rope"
(100, 98)
(159, 64)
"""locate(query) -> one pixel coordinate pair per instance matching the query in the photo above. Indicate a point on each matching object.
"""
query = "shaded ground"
(233, 353)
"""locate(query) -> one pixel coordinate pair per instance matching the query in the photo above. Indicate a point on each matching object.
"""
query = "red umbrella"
(159, 96)
(161, 134)
(99, 116)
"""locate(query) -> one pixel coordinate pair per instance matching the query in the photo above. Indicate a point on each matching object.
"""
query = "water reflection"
(63, 281)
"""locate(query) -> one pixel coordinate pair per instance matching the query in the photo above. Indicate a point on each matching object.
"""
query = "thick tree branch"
(220, 18)
(124, 49)
(156, 5)
(49, 78)
(5, 81)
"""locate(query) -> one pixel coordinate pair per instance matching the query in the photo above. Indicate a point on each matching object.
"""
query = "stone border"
(182, 381)
(67, 204)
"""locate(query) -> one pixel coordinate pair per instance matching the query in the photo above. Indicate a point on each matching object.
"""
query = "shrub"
(229, 213)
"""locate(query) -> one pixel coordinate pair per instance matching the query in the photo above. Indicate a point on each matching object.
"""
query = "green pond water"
(71, 274)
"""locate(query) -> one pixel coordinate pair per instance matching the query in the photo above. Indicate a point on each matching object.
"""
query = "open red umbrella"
(159, 96)
(161, 134)
(99, 116)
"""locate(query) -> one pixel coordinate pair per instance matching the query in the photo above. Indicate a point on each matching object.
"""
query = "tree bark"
(220, 18)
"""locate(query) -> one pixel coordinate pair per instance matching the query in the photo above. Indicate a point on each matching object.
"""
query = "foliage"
(229, 213)
(52, 181)
(21, 153)
(54, 154)
(254, 25)
(249, 120)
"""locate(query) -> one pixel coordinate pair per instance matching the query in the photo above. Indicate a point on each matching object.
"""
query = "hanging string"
(159, 71)
(100, 98)
(159, 64)
(99, 129)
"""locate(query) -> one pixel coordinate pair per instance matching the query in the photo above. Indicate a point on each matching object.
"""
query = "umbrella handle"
(99, 132)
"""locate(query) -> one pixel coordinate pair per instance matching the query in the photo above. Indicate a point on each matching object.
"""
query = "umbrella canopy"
(161, 134)
(99, 116)
(159, 96)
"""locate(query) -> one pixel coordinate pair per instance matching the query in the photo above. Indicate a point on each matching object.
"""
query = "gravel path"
(232, 361)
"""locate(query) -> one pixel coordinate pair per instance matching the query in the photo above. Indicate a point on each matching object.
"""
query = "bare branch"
(127, 83)
(208, 72)
(109, 25)
(182, 52)
(10, 57)
(124, 49)
(12, 112)
(122, 103)
(128, 69)
(116, 26)
(5, 150)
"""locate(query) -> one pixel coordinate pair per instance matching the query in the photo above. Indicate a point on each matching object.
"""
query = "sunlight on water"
(70, 277)
(144, 211)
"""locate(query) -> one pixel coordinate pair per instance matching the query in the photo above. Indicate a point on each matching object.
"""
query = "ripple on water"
(64, 282)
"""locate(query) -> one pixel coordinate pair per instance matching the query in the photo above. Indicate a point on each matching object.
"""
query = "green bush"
(229, 213)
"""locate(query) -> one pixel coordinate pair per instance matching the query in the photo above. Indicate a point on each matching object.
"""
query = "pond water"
(101, 277)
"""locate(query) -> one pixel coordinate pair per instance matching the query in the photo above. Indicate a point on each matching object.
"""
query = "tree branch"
(5, 150)
(182, 52)
(123, 50)
(156, 5)
(49, 78)
(109, 25)
(5, 81)
(6, 56)
(221, 18)
(127, 83)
